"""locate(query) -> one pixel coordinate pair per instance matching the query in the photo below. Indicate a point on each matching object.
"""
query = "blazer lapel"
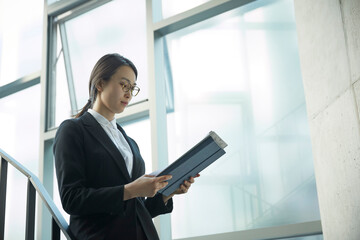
(98, 132)
(135, 153)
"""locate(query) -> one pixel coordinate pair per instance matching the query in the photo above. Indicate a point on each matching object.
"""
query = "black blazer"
(91, 175)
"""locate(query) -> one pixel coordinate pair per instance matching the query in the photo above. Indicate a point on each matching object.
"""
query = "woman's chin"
(119, 110)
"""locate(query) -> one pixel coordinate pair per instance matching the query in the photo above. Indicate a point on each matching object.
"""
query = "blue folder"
(192, 162)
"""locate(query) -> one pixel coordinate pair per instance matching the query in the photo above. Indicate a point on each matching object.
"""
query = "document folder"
(192, 162)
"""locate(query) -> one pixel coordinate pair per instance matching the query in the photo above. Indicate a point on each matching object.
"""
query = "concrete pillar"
(329, 46)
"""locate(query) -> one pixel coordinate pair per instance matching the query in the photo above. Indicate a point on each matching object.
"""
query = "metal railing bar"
(3, 180)
(30, 212)
(55, 230)
(49, 203)
(16, 164)
(40, 189)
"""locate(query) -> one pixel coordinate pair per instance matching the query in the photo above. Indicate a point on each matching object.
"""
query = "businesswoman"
(99, 168)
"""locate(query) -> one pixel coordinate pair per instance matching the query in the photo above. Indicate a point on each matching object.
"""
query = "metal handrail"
(34, 185)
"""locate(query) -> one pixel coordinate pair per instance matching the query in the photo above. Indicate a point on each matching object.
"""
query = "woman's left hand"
(184, 188)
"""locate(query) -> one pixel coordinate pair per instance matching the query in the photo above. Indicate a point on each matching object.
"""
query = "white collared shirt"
(116, 137)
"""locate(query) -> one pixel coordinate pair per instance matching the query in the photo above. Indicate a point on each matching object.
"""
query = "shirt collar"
(102, 120)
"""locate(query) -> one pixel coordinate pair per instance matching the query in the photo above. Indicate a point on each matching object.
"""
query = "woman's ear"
(100, 86)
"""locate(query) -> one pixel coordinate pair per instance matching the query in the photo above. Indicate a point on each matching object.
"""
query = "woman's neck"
(103, 111)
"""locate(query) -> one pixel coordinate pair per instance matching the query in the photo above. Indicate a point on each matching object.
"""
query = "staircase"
(33, 186)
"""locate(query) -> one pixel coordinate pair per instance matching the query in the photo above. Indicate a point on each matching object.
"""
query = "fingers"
(148, 175)
(161, 185)
(161, 181)
(163, 178)
(183, 188)
(187, 184)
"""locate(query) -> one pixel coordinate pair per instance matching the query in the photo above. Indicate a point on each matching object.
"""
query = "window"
(116, 27)
(20, 41)
(239, 75)
(236, 73)
(20, 136)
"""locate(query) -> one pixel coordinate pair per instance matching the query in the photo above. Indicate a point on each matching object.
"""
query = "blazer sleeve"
(76, 197)
(156, 205)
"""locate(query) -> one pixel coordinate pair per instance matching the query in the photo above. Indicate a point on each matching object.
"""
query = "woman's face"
(113, 99)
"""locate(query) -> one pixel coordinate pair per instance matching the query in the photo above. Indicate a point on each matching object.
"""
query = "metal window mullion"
(51, 74)
(60, 7)
(3, 181)
(169, 79)
(157, 104)
(196, 15)
(20, 84)
(85, 7)
(30, 212)
(68, 69)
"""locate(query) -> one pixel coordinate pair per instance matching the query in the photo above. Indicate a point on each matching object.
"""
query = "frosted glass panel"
(140, 131)
(20, 38)
(116, 27)
(19, 137)
(239, 75)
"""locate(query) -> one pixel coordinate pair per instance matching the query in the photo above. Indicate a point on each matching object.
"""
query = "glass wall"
(238, 74)
(20, 38)
(139, 130)
(116, 27)
(19, 137)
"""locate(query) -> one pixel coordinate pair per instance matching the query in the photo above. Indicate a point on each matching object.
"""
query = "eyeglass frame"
(125, 87)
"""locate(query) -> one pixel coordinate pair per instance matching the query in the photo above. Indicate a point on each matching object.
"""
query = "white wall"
(329, 45)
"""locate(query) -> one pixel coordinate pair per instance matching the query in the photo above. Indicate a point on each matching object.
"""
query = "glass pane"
(118, 26)
(238, 74)
(141, 133)
(173, 7)
(19, 137)
(62, 99)
(20, 38)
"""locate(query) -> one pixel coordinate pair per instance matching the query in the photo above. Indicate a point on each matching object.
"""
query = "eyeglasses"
(134, 90)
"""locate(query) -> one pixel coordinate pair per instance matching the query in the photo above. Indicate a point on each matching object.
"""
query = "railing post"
(30, 212)
(3, 180)
(55, 230)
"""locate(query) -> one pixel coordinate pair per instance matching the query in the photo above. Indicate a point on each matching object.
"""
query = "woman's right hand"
(145, 186)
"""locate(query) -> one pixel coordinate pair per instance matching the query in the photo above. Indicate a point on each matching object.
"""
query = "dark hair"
(105, 67)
